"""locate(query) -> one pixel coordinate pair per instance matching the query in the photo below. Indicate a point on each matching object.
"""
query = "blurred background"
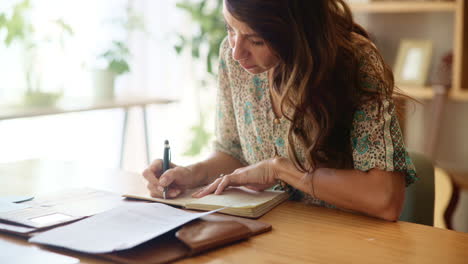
(60, 53)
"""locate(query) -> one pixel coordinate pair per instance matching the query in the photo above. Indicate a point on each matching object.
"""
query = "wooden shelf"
(417, 92)
(428, 93)
(456, 8)
(459, 95)
(403, 7)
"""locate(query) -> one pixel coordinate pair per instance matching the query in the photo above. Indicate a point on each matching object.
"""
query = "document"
(15, 228)
(9, 206)
(62, 207)
(17, 254)
(16, 198)
(121, 228)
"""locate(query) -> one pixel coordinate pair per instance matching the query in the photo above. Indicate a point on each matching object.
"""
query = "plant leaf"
(119, 66)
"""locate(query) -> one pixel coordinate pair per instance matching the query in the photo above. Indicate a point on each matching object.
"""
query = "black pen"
(166, 163)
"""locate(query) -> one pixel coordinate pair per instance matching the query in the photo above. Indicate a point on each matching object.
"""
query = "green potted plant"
(116, 59)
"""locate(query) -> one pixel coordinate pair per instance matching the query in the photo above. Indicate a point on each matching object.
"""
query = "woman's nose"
(239, 52)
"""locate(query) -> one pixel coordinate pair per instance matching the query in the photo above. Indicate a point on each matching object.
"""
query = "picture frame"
(413, 62)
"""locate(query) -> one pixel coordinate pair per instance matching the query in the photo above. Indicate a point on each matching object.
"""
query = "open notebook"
(238, 201)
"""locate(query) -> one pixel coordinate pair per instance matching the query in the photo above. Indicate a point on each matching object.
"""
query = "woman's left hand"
(258, 177)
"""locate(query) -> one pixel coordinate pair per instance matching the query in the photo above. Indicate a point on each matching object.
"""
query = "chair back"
(420, 196)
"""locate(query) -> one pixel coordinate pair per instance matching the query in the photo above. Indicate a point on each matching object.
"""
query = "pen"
(166, 163)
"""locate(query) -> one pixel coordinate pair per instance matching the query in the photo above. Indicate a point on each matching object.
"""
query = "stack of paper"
(120, 228)
(60, 208)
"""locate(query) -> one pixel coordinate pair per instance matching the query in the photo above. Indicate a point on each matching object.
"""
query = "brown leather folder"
(204, 234)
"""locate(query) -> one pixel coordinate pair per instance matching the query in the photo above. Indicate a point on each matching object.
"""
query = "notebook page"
(182, 200)
(120, 228)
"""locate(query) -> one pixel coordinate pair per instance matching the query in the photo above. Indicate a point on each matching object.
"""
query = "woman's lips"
(248, 67)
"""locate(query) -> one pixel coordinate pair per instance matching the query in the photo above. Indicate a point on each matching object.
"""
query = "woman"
(304, 99)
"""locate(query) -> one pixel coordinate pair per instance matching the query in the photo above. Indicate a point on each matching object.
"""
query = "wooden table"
(71, 105)
(301, 233)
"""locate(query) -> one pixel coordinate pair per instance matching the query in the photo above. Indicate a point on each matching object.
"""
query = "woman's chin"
(254, 70)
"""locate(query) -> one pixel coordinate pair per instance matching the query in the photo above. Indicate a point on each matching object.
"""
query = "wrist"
(283, 168)
(198, 173)
(278, 164)
(308, 182)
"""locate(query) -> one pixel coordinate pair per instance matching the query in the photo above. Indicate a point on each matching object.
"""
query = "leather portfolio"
(206, 233)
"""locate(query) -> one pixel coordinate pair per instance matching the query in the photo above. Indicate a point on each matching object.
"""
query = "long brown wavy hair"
(318, 74)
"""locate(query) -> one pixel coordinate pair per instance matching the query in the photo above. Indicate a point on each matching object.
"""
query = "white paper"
(62, 207)
(9, 206)
(17, 254)
(16, 229)
(120, 228)
(16, 199)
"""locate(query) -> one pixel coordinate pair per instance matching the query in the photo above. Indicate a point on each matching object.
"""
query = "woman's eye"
(230, 32)
(257, 43)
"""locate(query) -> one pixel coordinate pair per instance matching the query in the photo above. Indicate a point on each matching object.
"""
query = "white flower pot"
(103, 84)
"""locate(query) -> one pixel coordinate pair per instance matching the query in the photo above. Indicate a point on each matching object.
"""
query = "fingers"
(156, 183)
(219, 185)
(208, 189)
(152, 173)
(171, 176)
(156, 191)
(155, 169)
(234, 179)
(222, 185)
(150, 176)
(153, 190)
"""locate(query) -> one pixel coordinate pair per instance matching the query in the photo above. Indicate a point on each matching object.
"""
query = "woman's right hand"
(177, 178)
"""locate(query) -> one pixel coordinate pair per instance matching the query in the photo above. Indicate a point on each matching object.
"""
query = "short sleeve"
(377, 141)
(227, 136)
(376, 137)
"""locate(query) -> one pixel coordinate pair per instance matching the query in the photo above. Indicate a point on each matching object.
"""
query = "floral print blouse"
(247, 129)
